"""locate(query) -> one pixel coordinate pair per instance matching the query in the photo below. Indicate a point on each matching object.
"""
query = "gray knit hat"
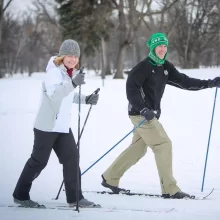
(69, 47)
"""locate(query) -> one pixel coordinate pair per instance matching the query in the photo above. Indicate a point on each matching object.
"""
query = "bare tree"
(49, 25)
(11, 30)
(28, 42)
(2, 11)
(196, 30)
(131, 13)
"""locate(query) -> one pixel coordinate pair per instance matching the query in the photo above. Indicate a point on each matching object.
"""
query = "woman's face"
(70, 61)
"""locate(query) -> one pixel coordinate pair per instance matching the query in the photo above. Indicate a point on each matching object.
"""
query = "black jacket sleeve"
(135, 80)
(182, 81)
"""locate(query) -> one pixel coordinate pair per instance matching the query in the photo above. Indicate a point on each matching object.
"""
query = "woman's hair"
(59, 60)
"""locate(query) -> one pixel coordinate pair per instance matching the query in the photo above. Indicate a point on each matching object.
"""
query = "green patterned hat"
(157, 39)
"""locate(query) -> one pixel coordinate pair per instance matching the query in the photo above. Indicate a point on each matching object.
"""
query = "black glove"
(147, 114)
(92, 99)
(214, 82)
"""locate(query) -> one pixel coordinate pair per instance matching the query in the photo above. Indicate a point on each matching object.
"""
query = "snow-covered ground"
(185, 115)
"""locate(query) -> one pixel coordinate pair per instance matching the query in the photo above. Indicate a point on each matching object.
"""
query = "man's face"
(161, 51)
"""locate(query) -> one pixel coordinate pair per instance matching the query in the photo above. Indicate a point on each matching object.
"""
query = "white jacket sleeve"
(76, 98)
(55, 88)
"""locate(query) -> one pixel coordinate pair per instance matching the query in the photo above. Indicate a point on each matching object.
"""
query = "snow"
(185, 116)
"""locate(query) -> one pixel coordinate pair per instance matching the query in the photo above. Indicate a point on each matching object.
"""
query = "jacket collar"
(63, 68)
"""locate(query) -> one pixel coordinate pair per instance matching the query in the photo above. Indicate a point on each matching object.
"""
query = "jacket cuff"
(83, 99)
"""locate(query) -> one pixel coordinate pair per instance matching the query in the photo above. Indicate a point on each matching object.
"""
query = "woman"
(52, 126)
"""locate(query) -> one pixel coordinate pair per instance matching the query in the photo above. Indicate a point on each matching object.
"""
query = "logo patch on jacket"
(166, 72)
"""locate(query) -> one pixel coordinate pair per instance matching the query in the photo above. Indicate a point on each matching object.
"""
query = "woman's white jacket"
(54, 114)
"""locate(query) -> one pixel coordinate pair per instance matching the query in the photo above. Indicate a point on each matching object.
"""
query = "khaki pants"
(152, 134)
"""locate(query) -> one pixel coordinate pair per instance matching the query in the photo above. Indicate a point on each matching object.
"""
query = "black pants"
(65, 148)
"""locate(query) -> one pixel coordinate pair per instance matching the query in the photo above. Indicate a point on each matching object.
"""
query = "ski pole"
(95, 92)
(113, 146)
(210, 133)
(78, 147)
(108, 151)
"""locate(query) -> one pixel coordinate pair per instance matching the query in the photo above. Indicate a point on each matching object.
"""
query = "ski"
(103, 209)
(158, 210)
(125, 193)
(202, 197)
(148, 194)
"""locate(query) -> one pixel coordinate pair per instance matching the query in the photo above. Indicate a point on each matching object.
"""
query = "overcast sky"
(18, 5)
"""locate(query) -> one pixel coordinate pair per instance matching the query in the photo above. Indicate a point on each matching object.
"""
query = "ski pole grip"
(81, 70)
(97, 91)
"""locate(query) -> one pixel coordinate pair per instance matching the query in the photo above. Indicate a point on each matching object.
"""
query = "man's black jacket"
(146, 83)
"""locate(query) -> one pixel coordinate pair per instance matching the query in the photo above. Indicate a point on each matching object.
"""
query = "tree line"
(112, 34)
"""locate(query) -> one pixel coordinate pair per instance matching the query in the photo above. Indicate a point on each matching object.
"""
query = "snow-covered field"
(185, 115)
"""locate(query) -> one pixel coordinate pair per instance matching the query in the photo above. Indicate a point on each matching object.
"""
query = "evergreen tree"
(85, 21)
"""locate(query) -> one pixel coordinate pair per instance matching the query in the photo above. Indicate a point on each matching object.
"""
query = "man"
(145, 87)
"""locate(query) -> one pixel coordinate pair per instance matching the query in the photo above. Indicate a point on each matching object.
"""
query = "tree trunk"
(190, 60)
(1, 74)
(185, 64)
(120, 63)
(122, 41)
(2, 10)
(136, 49)
(194, 58)
(105, 62)
(108, 68)
(1, 19)
(30, 68)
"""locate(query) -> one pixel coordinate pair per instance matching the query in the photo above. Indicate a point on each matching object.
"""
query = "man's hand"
(147, 114)
(214, 82)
